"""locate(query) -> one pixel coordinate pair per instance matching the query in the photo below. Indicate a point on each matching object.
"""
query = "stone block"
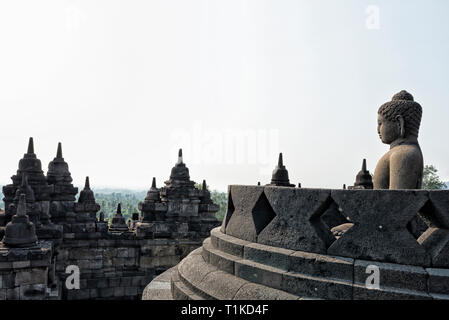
(62, 255)
(132, 252)
(403, 277)
(258, 273)
(241, 223)
(8, 280)
(33, 292)
(380, 231)
(131, 291)
(78, 294)
(219, 259)
(95, 264)
(154, 262)
(275, 257)
(253, 291)
(297, 224)
(319, 265)
(106, 292)
(232, 245)
(69, 235)
(118, 262)
(360, 292)
(21, 264)
(40, 263)
(316, 287)
(194, 268)
(125, 282)
(438, 281)
(114, 282)
(119, 292)
(214, 234)
(31, 276)
(206, 252)
(5, 265)
(107, 262)
(122, 252)
(92, 283)
(13, 293)
(85, 253)
(93, 293)
(221, 285)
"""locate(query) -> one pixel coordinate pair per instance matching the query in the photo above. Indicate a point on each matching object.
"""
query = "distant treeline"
(130, 200)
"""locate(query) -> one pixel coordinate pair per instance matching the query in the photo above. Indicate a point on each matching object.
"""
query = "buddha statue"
(398, 125)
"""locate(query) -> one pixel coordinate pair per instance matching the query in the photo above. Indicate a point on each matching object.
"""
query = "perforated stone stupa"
(178, 208)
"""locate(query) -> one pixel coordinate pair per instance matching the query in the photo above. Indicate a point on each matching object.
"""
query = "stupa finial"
(59, 152)
(180, 156)
(153, 184)
(30, 145)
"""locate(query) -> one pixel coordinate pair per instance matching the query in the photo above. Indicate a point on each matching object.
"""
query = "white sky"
(124, 84)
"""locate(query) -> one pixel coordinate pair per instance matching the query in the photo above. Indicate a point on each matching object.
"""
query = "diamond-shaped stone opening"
(230, 210)
(424, 223)
(334, 220)
(263, 213)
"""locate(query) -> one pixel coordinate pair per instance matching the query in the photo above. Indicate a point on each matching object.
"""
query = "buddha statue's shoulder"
(405, 152)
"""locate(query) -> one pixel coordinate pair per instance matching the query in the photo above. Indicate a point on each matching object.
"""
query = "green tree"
(431, 181)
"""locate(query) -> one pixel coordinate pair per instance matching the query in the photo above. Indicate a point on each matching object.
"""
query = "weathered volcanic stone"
(229, 211)
(275, 257)
(241, 224)
(20, 232)
(253, 291)
(297, 224)
(280, 175)
(398, 126)
(380, 226)
(438, 280)
(316, 287)
(436, 239)
(118, 224)
(363, 180)
(392, 275)
(320, 265)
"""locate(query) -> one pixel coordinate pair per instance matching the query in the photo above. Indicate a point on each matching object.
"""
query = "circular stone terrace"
(278, 243)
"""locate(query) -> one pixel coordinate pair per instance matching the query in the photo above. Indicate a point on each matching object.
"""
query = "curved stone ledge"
(298, 219)
(227, 268)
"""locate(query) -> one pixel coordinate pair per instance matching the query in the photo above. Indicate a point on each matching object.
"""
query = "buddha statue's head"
(399, 118)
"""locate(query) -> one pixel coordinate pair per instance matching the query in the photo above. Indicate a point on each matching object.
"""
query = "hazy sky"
(124, 84)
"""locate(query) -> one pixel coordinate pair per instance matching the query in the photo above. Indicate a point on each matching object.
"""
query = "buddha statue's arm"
(405, 169)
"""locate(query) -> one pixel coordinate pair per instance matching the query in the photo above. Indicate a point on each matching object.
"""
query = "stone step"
(312, 275)
(207, 281)
(182, 292)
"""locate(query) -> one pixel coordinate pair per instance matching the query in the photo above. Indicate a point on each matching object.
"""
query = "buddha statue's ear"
(400, 120)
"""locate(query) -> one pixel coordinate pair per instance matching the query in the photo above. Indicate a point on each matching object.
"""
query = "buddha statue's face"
(388, 130)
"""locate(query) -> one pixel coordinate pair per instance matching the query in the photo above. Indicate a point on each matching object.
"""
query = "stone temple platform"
(280, 243)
